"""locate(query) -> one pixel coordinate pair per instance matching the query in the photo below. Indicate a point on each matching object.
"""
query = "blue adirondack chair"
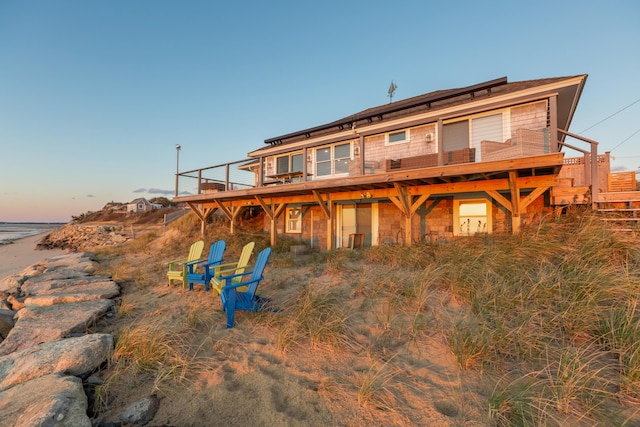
(202, 271)
(232, 299)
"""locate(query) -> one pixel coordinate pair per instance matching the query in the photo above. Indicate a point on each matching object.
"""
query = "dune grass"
(549, 317)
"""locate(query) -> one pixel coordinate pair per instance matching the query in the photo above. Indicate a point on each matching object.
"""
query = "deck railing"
(222, 177)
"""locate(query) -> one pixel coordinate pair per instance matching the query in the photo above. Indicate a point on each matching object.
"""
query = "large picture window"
(333, 160)
(471, 217)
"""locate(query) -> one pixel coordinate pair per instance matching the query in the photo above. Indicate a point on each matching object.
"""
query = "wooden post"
(515, 202)
(553, 124)
(440, 142)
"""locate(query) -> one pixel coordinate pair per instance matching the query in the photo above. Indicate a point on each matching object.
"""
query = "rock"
(16, 303)
(53, 400)
(94, 380)
(99, 289)
(10, 284)
(6, 321)
(73, 356)
(53, 285)
(78, 237)
(37, 324)
(141, 412)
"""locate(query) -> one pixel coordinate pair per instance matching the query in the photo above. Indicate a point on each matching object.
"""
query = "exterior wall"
(376, 152)
(432, 222)
(529, 116)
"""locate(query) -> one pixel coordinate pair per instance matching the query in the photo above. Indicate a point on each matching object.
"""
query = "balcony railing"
(222, 177)
(243, 174)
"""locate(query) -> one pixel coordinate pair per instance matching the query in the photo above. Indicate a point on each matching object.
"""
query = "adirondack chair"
(233, 300)
(201, 271)
(236, 268)
(178, 267)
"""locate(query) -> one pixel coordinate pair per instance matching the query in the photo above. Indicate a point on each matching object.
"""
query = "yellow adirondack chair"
(232, 268)
(178, 267)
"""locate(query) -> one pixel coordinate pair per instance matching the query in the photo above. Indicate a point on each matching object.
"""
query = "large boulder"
(73, 291)
(38, 324)
(74, 356)
(54, 400)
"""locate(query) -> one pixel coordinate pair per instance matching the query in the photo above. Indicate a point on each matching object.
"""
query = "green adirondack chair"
(178, 267)
(235, 268)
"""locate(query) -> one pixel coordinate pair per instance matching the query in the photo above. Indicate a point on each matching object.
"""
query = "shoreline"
(22, 253)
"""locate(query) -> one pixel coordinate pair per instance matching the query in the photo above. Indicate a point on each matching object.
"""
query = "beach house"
(488, 158)
(141, 205)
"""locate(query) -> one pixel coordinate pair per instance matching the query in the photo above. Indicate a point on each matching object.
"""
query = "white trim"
(407, 137)
(486, 227)
(288, 222)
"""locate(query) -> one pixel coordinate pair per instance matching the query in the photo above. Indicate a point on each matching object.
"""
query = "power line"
(607, 118)
(626, 139)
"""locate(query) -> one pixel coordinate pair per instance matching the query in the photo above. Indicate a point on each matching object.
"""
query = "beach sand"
(16, 256)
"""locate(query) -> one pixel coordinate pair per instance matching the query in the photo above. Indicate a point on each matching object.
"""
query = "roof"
(138, 200)
(429, 101)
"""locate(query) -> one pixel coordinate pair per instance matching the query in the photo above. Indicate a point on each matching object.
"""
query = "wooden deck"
(467, 177)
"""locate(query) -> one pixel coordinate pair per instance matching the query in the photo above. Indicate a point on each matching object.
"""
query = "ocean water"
(10, 231)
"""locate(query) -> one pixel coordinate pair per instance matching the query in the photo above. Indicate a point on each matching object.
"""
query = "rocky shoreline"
(78, 237)
(48, 359)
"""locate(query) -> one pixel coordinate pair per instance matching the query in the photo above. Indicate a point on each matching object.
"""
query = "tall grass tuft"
(313, 315)
(145, 350)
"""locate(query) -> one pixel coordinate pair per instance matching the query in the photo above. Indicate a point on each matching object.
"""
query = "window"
(455, 136)
(471, 217)
(294, 220)
(487, 128)
(471, 131)
(397, 137)
(333, 160)
(289, 163)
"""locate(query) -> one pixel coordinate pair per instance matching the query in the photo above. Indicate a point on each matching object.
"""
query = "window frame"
(289, 157)
(406, 139)
(457, 203)
(293, 225)
(332, 160)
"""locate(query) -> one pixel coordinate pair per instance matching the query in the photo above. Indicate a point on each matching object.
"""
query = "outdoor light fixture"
(429, 138)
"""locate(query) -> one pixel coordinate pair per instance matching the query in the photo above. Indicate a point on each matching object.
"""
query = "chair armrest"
(231, 276)
(228, 264)
(237, 285)
(222, 273)
(200, 261)
(177, 261)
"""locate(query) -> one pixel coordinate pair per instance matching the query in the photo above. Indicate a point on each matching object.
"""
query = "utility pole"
(177, 166)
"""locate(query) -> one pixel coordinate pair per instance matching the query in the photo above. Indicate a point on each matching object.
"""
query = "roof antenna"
(392, 89)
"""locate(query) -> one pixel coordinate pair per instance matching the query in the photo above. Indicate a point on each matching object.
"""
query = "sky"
(95, 95)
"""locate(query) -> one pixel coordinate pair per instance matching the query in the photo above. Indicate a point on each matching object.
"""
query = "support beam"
(272, 214)
(524, 203)
(324, 206)
(201, 212)
(405, 204)
(327, 209)
(515, 202)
